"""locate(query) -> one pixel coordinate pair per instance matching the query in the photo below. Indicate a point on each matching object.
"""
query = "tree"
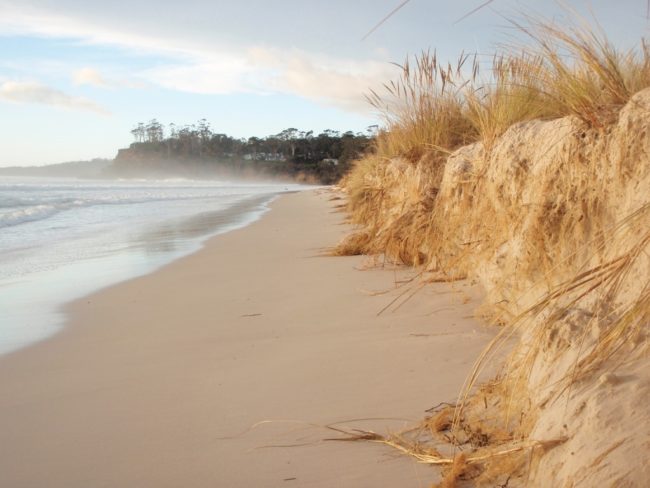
(372, 130)
(154, 130)
(254, 144)
(289, 136)
(138, 132)
(203, 129)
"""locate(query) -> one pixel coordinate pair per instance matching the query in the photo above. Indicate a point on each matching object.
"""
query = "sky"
(77, 75)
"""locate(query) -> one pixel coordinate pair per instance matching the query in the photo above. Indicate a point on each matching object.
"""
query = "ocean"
(61, 239)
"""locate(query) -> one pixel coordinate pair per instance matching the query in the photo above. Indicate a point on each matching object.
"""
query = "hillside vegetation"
(196, 151)
(533, 179)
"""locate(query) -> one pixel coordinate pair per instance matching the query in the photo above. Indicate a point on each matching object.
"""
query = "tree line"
(199, 141)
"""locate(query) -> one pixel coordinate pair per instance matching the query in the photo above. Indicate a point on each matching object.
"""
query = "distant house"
(332, 161)
(276, 157)
(261, 156)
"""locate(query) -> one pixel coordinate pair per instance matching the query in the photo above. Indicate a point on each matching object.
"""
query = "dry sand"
(155, 381)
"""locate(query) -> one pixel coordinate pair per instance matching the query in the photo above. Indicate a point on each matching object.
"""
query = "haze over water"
(61, 239)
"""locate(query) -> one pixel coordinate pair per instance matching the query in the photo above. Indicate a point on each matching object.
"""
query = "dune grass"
(433, 109)
(424, 109)
(567, 275)
(579, 72)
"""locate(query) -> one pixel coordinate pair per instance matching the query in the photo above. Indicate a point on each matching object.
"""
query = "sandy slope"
(150, 376)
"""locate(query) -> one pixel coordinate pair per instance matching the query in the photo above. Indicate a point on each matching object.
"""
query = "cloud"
(331, 81)
(31, 92)
(92, 77)
(214, 73)
(208, 67)
(336, 81)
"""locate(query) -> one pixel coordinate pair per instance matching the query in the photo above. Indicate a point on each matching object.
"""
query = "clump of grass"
(566, 70)
(458, 460)
(579, 72)
(453, 474)
(441, 421)
(424, 109)
(508, 98)
(392, 190)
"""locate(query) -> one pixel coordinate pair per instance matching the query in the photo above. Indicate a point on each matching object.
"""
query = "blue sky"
(76, 76)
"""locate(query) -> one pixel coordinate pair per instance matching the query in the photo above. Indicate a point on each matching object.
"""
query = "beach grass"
(532, 180)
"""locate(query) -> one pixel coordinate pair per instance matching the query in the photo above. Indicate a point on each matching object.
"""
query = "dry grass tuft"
(508, 98)
(425, 109)
(459, 458)
(578, 71)
(441, 421)
(353, 245)
(455, 472)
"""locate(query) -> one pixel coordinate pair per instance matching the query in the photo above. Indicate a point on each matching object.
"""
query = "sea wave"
(35, 200)
(29, 214)
(30, 211)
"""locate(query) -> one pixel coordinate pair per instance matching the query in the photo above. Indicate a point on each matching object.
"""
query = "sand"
(157, 381)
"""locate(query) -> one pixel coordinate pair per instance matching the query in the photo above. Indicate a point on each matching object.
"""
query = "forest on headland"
(197, 151)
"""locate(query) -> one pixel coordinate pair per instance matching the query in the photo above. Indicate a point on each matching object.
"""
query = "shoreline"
(158, 380)
(41, 299)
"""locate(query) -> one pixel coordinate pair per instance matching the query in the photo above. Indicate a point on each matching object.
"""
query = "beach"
(224, 367)
(103, 232)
